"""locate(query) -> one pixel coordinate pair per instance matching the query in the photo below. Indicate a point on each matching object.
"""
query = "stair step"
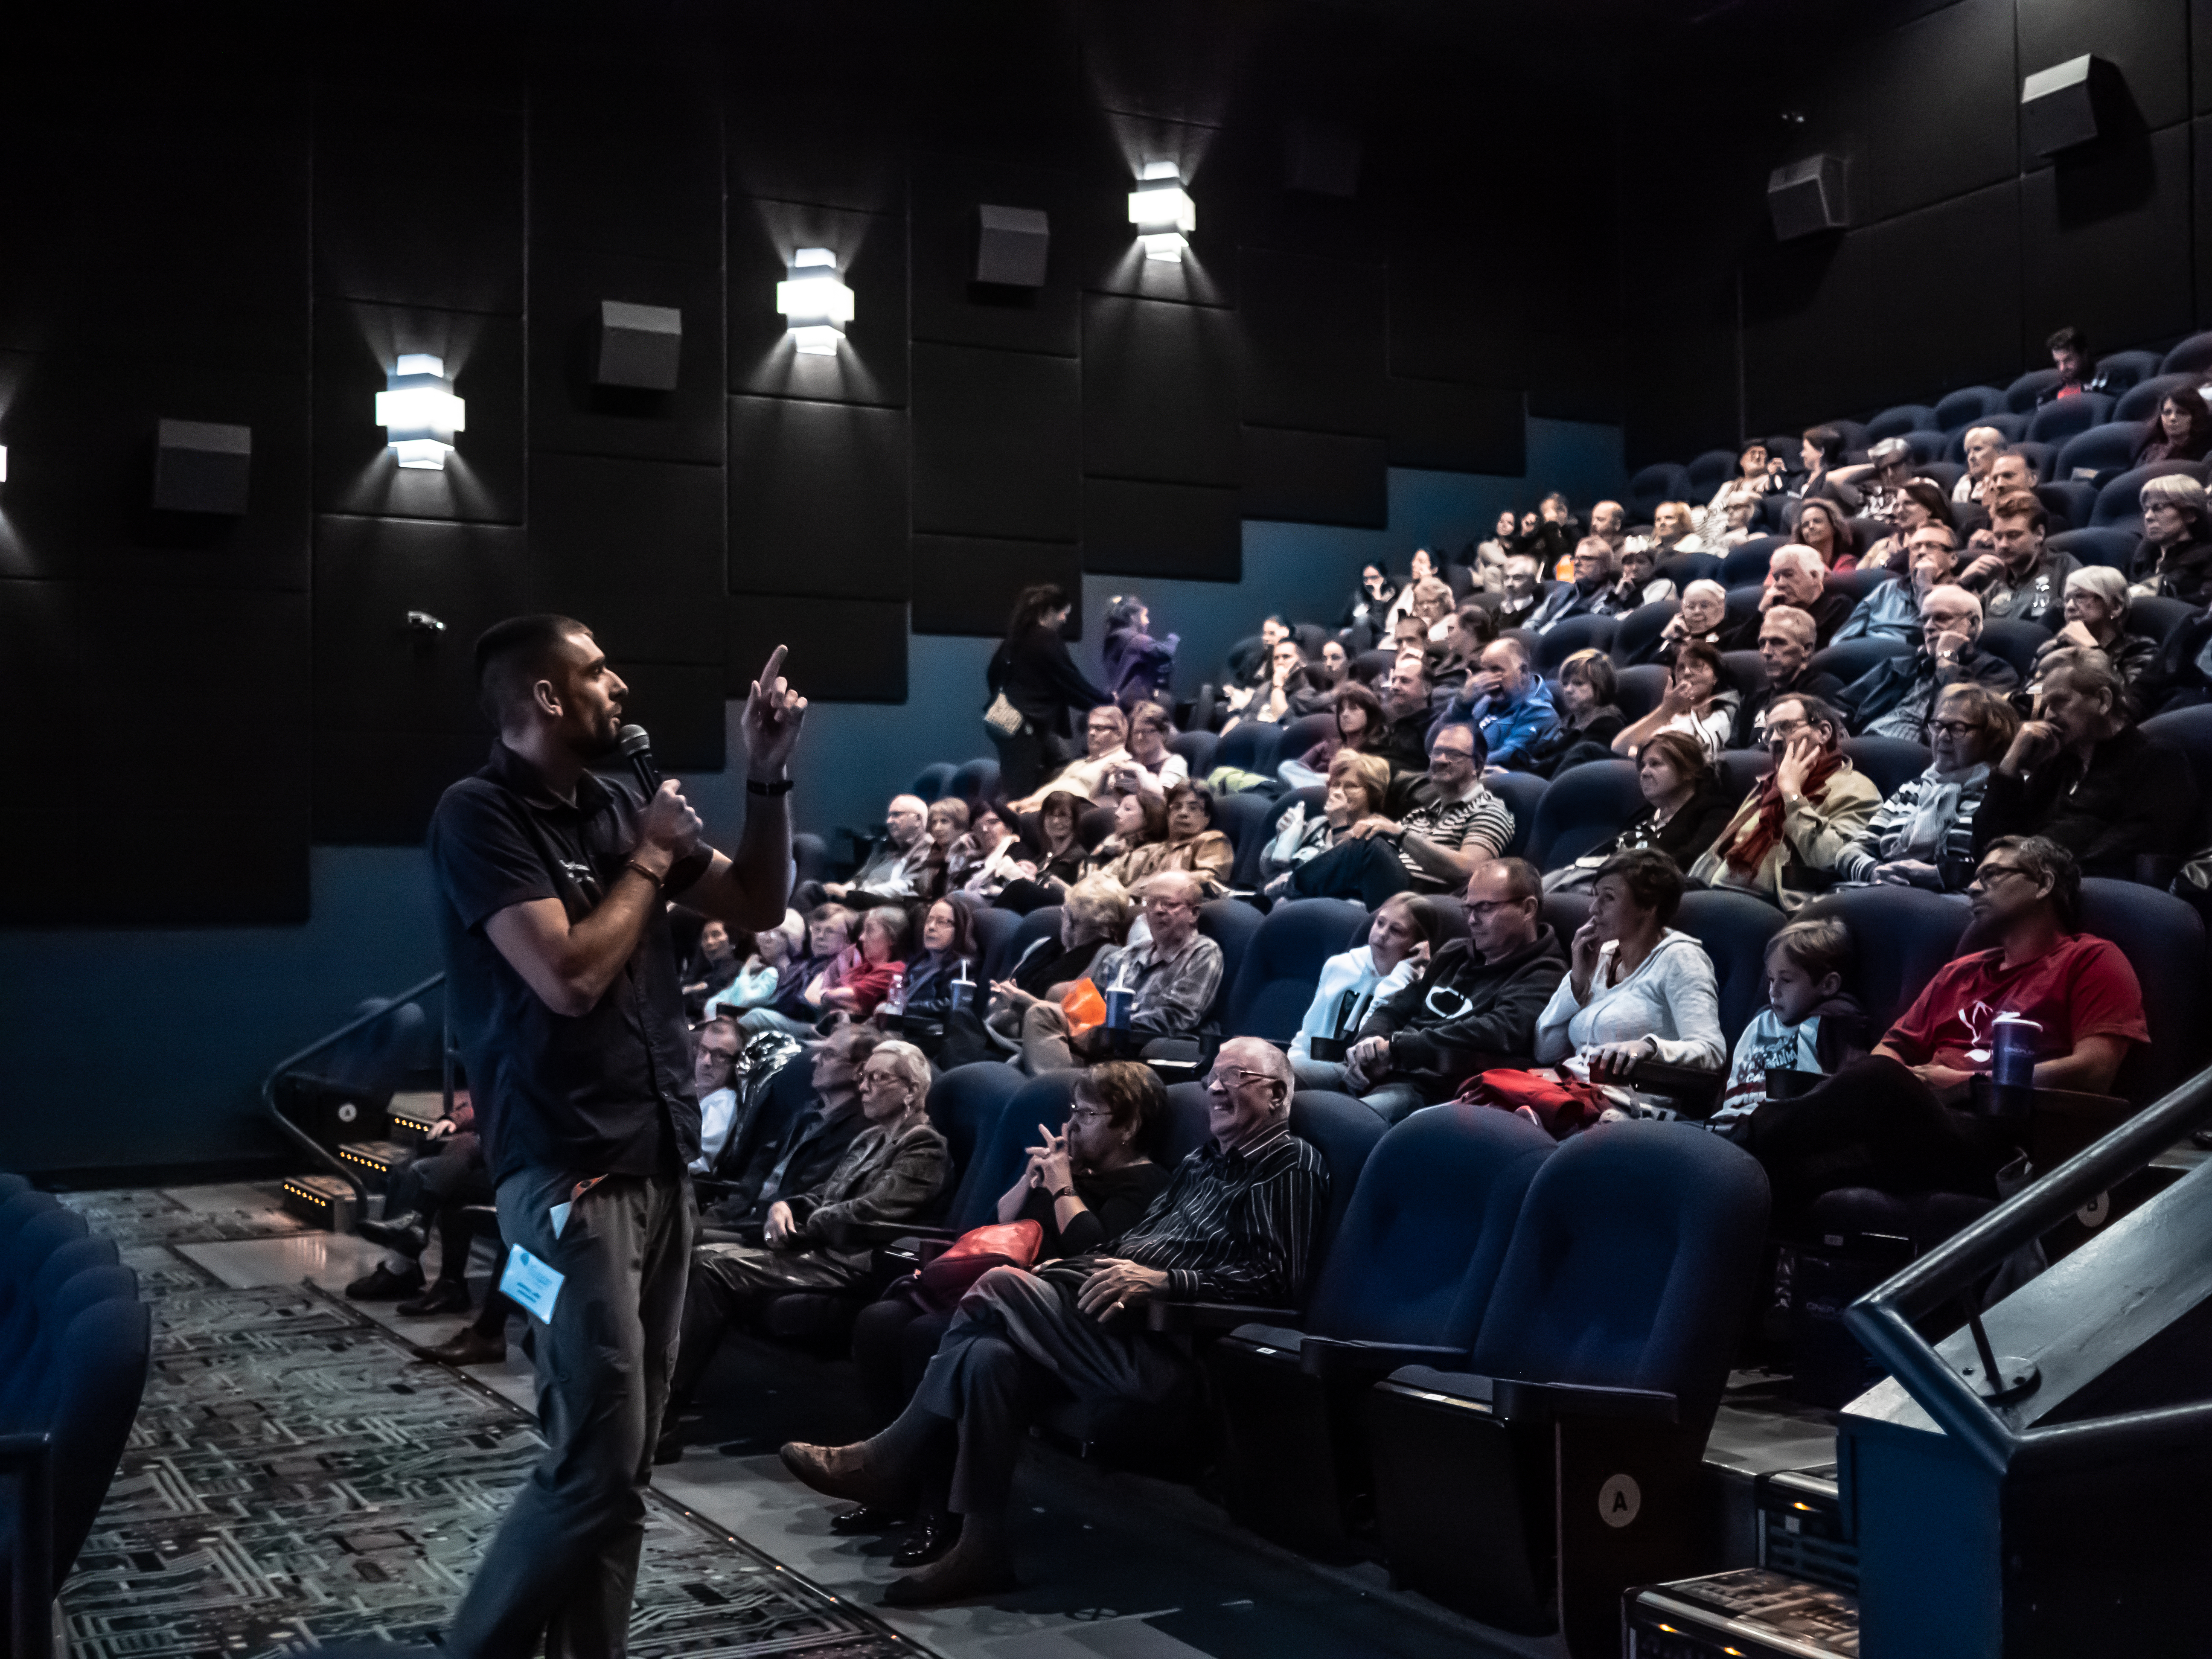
(1800, 1528)
(375, 1159)
(1754, 1613)
(323, 1200)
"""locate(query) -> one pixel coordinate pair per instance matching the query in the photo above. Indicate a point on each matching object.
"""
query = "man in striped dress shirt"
(1236, 1224)
(1457, 827)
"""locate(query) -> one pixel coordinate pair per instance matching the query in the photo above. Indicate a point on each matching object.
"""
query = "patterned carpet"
(298, 1475)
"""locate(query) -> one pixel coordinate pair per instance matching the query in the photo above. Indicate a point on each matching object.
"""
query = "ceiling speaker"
(1807, 197)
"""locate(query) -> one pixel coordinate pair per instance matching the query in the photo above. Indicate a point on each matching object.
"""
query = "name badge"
(530, 1284)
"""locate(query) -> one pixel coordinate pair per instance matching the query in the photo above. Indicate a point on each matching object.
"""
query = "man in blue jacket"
(1506, 699)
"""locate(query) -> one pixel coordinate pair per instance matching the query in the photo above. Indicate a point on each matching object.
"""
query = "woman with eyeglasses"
(1683, 812)
(1152, 768)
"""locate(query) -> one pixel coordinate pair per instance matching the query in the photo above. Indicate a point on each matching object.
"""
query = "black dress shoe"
(403, 1233)
(866, 1517)
(442, 1297)
(668, 1449)
(933, 1536)
(385, 1285)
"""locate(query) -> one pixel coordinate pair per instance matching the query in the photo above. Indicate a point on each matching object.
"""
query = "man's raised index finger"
(768, 675)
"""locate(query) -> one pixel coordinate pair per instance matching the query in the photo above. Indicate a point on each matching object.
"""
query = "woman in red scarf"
(1787, 838)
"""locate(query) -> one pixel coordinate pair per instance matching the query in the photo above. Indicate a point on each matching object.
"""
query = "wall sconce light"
(815, 301)
(1162, 210)
(3, 463)
(419, 412)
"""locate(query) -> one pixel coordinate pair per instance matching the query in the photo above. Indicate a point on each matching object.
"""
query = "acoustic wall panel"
(842, 650)
(374, 672)
(997, 444)
(1159, 391)
(2124, 209)
(356, 347)
(634, 550)
(1934, 107)
(1168, 59)
(836, 139)
(996, 77)
(1192, 531)
(817, 499)
(379, 789)
(967, 584)
(1315, 477)
(40, 626)
(681, 705)
(1314, 355)
(1453, 315)
(2146, 41)
(949, 305)
(418, 202)
(871, 366)
(569, 411)
(1450, 427)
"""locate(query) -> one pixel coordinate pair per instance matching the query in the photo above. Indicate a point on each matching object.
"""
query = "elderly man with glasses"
(1174, 972)
(1236, 1224)
(1106, 751)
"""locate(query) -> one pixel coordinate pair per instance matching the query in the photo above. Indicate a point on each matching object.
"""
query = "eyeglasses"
(1990, 873)
(1166, 907)
(1226, 1078)
(1954, 729)
(1483, 909)
(1090, 1114)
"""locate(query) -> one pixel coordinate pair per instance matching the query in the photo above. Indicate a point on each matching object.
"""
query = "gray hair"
(1709, 585)
(908, 1062)
(2104, 583)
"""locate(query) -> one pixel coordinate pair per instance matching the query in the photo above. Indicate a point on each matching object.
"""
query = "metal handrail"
(298, 1137)
(1881, 1319)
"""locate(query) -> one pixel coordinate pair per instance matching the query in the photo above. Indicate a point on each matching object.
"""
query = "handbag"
(945, 1280)
(1085, 1008)
(1560, 1105)
(1003, 718)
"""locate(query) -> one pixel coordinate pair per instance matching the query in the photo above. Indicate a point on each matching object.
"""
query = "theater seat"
(1734, 928)
(1928, 445)
(2055, 422)
(2124, 369)
(2113, 548)
(1275, 982)
(2016, 642)
(2015, 428)
(1244, 819)
(11, 1185)
(1523, 795)
(2191, 357)
(1900, 936)
(810, 858)
(1859, 583)
(994, 933)
(2120, 503)
(1248, 747)
(1854, 658)
(2189, 730)
(1944, 474)
(1888, 762)
(1407, 1279)
(1663, 481)
(1707, 473)
(1957, 411)
(2068, 502)
(1639, 689)
(1895, 422)
(1231, 924)
(2022, 395)
(2163, 937)
(1574, 634)
(1562, 1463)
(2154, 617)
(1293, 738)
(933, 780)
(1196, 748)
(974, 781)
(1586, 807)
(1043, 922)
(2102, 453)
(1744, 671)
(1740, 770)
(2141, 401)
(1747, 563)
(1683, 569)
(1636, 636)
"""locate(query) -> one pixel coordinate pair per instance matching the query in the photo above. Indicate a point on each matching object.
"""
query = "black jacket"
(2185, 572)
(797, 1161)
(1826, 686)
(1041, 680)
(2136, 796)
(1465, 1015)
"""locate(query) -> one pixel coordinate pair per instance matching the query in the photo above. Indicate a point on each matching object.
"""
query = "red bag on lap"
(944, 1280)
(1561, 1105)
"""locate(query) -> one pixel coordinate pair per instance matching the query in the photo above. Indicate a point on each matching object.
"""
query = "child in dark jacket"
(1808, 1024)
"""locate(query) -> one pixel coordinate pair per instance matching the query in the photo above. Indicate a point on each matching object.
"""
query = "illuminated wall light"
(1162, 210)
(3, 463)
(815, 301)
(419, 412)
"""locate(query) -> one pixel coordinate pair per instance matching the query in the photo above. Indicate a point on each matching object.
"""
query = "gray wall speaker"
(640, 346)
(1012, 245)
(2059, 106)
(202, 466)
(1807, 197)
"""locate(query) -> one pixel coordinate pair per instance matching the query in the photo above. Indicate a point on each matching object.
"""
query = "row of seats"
(75, 1348)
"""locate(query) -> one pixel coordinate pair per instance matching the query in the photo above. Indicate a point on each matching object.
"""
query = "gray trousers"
(563, 1567)
(1013, 1336)
(1387, 1101)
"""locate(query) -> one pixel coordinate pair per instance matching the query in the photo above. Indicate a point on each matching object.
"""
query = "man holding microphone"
(564, 996)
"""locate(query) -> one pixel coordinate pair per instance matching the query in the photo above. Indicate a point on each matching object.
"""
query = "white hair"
(1796, 553)
(1706, 584)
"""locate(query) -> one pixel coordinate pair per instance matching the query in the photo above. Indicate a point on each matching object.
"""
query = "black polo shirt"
(609, 1092)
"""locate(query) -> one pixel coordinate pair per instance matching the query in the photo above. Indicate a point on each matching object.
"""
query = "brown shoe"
(969, 1570)
(843, 1472)
(469, 1346)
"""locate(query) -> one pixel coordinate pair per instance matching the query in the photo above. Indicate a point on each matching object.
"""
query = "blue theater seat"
(1523, 795)
(2108, 546)
(1968, 406)
(1639, 689)
(1707, 473)
(2102, 451)
(974, 781)
(1275, 981)
(1636, 635)
(1888, 762)
(2021, 397)
(2141, 401)
(1247, 747)
(1575, 633)
(1895, 422)
(1586, 807)
(2125, 370)
(2055, 422)
(2016, 642)
(933, 780)
(1663, 481)
(1853, 658)
(2015, 428)
(2120, 503)
(1747, 563)
(2191, 357)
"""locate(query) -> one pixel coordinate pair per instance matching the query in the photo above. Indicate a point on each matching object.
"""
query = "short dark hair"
(2018, 504)
(1359, 696)
(1700, 651)
(2046, 859)
(1931, 496)
(1594, 668)
(1523, 879)
(514, 655)
(1474, 737)
(1654, 880)
(1828, 440)
(2068, 339)
(1032, 605)
(842, 915)
(1818, 711)
(2033, 471)
(1135, 1098)
(1202, 793)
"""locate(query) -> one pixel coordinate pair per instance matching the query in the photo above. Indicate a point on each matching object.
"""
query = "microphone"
(632, 743)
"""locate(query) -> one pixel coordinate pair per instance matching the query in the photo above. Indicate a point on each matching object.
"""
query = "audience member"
(2012, 470)
(1923, 835)
(1456, 825)
(1369, 607)
(1282, 695)
(1174, 972)
(1470, 629)
(1423, 570)
(1138, 666)
(1703, 614)
(1094, 915)
(1810, 1024)
(818, 1240)
(1472, 1006)
(1795, 577)
(1139, 842)
(1900, 1120)
(1588, 718)
(1892, 611)
(1755, 476)
(856, 984)
(768, 974)
(1609, 522)
(1982, 444)
(2181, 430)
(897, 869)
(2070, 355)
(1356, 789)
(1880, 478)
(2173, 561)
(1674, 530)
(949, 953)
(1821, 454)
(1683, 811)
(1506, 699)
(1490, 553)
(946, 822)
(1519, 597)
(1106, 750)
(1638, 585)
(445, 1172)
(714, 1065)
(1892, 698)
(712, 964)
(2082, 774)
(1359, 725)
(1787, 840)
(1152, 767)
(1696, 703)
(1787, 640)
(797, 1008)
(1404, 934)
(1593, 578)
(1032, 673)
(2024, 580)
(1237, 1222)
(1918, 503)
(1406, 709)
(987, 857)
(1042, 873)
(810, 1147)
(2096, 613)
(1823, 526)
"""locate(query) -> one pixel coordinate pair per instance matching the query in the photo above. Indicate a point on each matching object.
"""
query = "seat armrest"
(1695, 1089)
(891, 1232)
(1213, 1318)
(1332, 1360)
(1544, 1400)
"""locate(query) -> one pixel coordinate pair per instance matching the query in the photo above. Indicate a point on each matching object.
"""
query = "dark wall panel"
(842, 650)
(1931, 105)
(1457, 429)
(949, 304)
(569, 412)
(39, 622)
(1168, 59)
(1313, 335)
(634, 550)
(967, 584)
(1193, 531)
(2106, 243)
(995, 77)
(373, 672)
(1315, 477)
(836, 139)
(1454, 316)
(817, 499)
(681, 705)
(2146, 40)
(870, 368)
(1159, 391)
(357, 346)
(2200, 142)
(378, 788)
(418, 202)
(997, 444)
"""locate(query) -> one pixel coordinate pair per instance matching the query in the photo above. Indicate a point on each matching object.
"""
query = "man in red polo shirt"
(1901, 1120)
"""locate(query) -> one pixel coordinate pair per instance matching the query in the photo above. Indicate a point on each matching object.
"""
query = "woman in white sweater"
(1636, 989)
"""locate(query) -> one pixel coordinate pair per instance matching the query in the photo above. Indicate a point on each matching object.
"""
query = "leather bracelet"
(1065, 1192)
(780, 786)
(632, 864)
